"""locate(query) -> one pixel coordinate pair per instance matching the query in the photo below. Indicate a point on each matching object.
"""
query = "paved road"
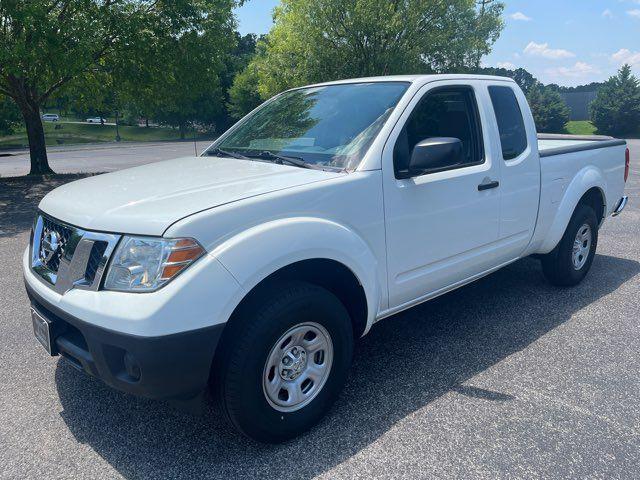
(505, 378)
(101, 157)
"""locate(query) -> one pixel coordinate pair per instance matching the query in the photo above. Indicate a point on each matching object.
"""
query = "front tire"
(283, 361)
(568, 263)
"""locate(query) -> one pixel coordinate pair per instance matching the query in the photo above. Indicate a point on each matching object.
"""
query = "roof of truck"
(416, 78)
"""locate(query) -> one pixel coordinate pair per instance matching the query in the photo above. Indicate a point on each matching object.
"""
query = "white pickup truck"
(251, 269)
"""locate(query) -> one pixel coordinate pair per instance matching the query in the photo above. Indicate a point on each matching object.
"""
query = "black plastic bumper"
(171, 367)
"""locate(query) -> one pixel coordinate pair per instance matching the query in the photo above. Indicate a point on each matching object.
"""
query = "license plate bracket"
(42, 331)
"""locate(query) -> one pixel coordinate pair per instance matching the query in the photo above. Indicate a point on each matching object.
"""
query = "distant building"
(578, 103)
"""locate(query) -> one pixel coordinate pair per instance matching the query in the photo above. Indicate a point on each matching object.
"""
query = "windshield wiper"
(281, 159)
(225, 153)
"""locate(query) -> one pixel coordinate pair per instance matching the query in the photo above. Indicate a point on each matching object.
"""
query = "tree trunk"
(182, 131)
(35, 134)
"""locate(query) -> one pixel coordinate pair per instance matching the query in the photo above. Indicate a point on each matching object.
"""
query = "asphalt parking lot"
(506, 378)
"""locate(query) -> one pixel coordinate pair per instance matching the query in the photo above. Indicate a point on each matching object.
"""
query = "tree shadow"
(405, 363)
(20, 196)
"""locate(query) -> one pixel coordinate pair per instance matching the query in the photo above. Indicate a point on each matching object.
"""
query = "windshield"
(330, 126)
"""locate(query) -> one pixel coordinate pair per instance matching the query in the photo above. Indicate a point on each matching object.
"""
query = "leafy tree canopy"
(589, 87)
(44, 44)
(319, 40)
(550, 111)
(9, 115)
(522, 77)
(243, 94)
(616, 109)
(181, 80)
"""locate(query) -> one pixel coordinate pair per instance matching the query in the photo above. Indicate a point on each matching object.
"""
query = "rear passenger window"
(513, 135)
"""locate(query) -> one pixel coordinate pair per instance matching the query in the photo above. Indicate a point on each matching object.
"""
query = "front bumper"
(174, 366)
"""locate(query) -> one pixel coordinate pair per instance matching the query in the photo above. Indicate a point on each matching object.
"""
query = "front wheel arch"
(328, 274)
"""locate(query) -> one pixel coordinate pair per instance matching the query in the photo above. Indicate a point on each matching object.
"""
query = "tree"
(488, 11)
(182, 80)
(616, 109)
(48, 43)
(319, 40)
(91, 94)
(550, 112)
(590, 87)
(243, 94)
(9, 115)
(242, 81)
(522, 77)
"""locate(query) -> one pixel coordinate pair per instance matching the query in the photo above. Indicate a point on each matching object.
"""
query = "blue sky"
(569, 42)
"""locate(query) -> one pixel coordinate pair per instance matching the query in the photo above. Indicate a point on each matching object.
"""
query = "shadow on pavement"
(19, 199)
(405, 363)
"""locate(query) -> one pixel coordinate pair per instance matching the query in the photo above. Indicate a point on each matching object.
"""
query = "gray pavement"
(99, 158)
(506, 378)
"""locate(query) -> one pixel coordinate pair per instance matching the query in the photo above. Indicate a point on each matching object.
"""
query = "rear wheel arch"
(594, 198)
(587, 188)
(565, 265)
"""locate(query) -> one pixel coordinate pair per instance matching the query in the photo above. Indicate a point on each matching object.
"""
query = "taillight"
(626, 165)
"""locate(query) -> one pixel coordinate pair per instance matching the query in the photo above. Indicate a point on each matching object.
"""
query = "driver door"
(442, 225)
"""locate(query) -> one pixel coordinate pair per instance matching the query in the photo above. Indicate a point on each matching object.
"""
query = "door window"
(513, 135)
(443, 112)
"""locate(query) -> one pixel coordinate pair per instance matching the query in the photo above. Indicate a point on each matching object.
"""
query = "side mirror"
(433, 154)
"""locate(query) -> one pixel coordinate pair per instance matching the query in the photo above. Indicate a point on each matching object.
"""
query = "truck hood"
(146, 200)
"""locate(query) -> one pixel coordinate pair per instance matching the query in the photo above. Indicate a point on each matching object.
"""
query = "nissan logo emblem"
(51, 243)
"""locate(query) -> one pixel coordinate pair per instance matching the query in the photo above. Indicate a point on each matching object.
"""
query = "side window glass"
(513, 135)
(447, 112)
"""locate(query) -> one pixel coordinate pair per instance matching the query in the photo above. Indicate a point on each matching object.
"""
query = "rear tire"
(283, 361)
(568, 263)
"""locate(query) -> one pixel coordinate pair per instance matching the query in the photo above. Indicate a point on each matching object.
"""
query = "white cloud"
(579, 70)
(543, 50)
(635, 13)
(520, 16)
(607, 13)
(624, 55)
(507, 65)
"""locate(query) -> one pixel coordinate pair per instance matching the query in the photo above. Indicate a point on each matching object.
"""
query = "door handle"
(488, 184)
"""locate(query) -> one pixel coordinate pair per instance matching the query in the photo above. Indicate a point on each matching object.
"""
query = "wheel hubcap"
(297, 367)
(581, 247)
(293, 363)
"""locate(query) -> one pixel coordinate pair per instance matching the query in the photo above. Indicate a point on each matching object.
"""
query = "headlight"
(144, 264)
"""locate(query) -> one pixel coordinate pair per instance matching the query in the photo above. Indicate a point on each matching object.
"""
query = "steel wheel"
(581, 246)
(297, 367)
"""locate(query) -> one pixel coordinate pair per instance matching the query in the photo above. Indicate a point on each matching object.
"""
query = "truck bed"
(568, 166)
(557, 144)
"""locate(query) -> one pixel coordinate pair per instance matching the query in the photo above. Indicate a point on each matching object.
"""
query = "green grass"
(78, 133)
(581, 127)
(584, 127)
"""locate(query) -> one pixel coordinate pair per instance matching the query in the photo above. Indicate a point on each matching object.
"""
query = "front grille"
(50, 226)
(66, 257)
(95, 258)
